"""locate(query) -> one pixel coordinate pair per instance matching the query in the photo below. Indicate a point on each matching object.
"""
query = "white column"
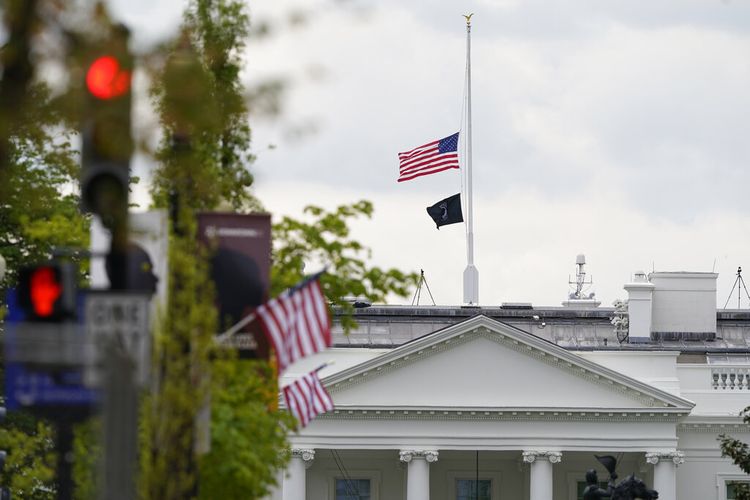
(418, 472)
(665, 472)
(277, 491)
(295, 478)
(540, 479)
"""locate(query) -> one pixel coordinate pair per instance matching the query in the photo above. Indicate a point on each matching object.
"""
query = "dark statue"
(630, 488)
(593, 491)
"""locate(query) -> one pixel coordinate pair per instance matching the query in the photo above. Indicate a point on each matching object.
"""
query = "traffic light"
(48, 292)
(107, 140)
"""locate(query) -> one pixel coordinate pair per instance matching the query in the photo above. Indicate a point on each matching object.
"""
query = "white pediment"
(484, 364)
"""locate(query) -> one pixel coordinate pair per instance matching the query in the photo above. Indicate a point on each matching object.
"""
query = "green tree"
(739, 452)
(323, 238)
(206, 115)
(16, 73)
(29, 468)
(39, 168)
(203, 163)
(248, 432)
(38, 213)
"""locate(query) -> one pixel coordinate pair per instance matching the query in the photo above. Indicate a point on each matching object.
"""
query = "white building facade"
(515, 402)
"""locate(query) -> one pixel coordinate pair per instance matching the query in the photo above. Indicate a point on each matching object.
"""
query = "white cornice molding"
(520, 414)
(513, 338)
(713, 428)
(714, 424)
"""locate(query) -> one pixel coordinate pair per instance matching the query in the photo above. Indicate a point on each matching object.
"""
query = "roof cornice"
(516, 339)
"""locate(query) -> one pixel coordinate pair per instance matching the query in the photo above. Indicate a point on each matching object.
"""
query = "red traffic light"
(107, 79)
(44, 291)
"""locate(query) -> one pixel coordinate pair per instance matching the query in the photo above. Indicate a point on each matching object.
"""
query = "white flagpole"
(471, 273)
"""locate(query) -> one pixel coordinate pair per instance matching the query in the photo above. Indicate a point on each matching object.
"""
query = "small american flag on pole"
(297, 322)
(306, 398)
(429, 158)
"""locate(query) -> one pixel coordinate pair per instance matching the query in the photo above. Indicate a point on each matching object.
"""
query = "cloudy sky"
(615, 129)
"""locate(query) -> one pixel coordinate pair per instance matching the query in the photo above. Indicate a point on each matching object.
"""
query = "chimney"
(640, 294)
(684, 306)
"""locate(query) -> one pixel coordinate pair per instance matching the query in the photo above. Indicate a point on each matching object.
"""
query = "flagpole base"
(471, 285)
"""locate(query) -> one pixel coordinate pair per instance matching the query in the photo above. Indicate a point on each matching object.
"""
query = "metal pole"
(120, 394)
(739, 292)
(120, 424)
(471, 274)
(64, 445)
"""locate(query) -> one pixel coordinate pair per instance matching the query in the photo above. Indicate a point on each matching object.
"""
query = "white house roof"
(483, 365)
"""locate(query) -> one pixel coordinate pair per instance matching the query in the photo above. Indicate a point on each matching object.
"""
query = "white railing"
(730, 378)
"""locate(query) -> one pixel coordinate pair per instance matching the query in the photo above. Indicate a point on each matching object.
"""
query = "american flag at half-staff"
(297, 322)
(306, 398)
(429, 158)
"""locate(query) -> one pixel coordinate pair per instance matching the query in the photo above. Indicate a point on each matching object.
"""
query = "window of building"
(732, 487)
(468, 489)
(352, 489)
(581, 485)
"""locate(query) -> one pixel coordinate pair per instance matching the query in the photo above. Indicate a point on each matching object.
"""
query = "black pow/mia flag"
(447, 211)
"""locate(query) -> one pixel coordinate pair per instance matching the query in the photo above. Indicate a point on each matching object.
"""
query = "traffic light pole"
(64, 445)
(120, 394)
(120, 424)
(108, 146)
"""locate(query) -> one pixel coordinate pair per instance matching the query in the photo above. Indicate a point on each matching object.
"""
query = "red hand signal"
(45, 290)
(105, 78)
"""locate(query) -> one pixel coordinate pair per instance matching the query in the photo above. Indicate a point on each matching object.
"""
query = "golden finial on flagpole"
(468, 18)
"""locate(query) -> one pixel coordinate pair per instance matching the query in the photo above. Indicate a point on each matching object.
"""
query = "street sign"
(118, 320)
(44, 364)
(27, 388)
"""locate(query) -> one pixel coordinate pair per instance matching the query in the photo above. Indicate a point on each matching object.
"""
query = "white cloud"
(614, 129)
(526, 243)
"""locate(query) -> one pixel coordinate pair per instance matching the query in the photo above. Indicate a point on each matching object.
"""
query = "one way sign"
(119, 320)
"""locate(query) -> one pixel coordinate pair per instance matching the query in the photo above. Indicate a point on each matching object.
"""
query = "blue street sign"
(25, 388)
(28, 386)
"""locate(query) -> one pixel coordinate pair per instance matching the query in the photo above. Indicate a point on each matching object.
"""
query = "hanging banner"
(240, 246)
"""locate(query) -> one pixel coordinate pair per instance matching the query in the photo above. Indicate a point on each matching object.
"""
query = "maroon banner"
(240, 246)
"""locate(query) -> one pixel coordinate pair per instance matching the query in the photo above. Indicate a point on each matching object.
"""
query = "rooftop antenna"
(418, 292)
(580, 282)
(737, 282)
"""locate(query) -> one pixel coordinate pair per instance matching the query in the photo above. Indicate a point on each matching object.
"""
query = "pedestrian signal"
(48, 292)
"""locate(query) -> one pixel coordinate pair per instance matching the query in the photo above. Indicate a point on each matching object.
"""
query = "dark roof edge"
(400, 311)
